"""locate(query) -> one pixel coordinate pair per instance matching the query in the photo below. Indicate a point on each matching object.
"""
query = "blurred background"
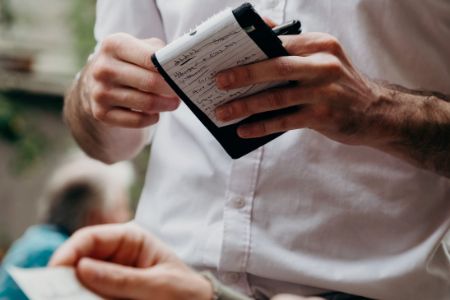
(43, 44)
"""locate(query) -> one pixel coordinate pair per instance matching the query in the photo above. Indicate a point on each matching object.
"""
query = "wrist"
(207, 288)
(413, 126)
(220, 291)
(383, 117)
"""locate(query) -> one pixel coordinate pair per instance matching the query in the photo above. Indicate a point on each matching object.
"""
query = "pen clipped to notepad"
(289, 28)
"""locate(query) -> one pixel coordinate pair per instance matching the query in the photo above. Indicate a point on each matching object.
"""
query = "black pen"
(289, 28)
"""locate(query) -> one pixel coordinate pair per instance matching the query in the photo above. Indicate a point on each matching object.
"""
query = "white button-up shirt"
(303, 214)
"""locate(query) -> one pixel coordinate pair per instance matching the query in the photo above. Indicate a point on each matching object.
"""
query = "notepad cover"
(182, 62)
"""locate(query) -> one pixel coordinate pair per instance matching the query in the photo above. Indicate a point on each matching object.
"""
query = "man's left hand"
(332, 97)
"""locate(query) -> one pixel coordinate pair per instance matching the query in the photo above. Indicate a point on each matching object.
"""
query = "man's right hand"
(120, 85)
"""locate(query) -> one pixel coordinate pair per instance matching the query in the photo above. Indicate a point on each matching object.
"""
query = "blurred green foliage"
(21, 131)
(6, 15)
(27, 143)
(83, 20)
(15, 128)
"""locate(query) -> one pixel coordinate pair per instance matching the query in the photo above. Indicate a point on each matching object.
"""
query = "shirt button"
(238, 203)
(231, 278)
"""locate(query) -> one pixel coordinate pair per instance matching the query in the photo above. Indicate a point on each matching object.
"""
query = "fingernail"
(223, 113)
(174, 103)
(87, 269)
(225, 80)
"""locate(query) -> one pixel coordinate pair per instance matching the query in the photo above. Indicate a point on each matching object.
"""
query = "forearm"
(415, 126)
(99, 140)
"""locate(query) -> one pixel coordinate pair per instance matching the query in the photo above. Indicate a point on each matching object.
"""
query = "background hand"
(121, 87)
(124, 261)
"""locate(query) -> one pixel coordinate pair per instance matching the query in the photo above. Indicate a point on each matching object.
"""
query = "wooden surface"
(40, 44)
(48, 84)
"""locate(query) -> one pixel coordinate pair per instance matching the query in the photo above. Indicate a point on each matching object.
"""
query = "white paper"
(58, 283)
(193, 60)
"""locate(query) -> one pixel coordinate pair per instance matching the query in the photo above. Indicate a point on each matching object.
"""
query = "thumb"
(112, 280)
(154, 42)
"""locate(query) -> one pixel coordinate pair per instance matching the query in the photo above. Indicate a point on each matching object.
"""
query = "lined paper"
(51, 284)
(193, 60)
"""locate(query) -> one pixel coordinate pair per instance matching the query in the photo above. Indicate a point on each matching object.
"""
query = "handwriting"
(218, 44)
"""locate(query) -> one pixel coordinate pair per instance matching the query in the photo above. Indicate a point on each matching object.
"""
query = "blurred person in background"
(82, 192)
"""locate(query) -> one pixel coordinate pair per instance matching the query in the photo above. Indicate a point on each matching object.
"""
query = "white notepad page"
(193, 60)
(51, 284)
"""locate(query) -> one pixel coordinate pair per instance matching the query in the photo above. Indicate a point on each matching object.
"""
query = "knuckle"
(322, 113)
(152, 45)
(148, 83)
(112, 43)
(291, 122)
(244, 74)
(241, 108)
(333, 91)
(275, 99)
(144, 120)
(137, 122)
(284, 67)
(262, 128)
(80, 233)
(99, 113)
(109, 44)
(332, 45)
(334, 67)
(101, 71)
(99, 94)
(272, 100)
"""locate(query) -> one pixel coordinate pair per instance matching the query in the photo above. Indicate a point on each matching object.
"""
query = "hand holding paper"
(125, 261)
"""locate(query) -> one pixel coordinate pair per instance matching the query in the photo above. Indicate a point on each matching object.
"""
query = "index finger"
(129, 49)
(279, 69)
(96, 242)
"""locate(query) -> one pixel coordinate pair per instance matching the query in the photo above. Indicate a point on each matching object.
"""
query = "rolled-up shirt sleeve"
(139, 18)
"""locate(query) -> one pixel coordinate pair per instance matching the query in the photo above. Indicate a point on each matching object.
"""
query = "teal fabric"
(34, 249)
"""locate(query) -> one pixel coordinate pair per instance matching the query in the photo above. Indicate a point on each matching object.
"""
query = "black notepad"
(190, 63)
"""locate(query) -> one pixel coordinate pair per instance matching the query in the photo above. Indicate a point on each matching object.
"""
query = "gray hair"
(80, 187)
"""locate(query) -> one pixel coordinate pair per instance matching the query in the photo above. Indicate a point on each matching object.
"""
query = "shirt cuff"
(222, 292)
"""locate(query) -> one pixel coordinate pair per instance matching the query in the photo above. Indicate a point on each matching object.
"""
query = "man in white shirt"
(354, 198)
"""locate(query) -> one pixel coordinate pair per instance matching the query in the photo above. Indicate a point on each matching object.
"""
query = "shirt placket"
(237, 221)
(237, 215)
